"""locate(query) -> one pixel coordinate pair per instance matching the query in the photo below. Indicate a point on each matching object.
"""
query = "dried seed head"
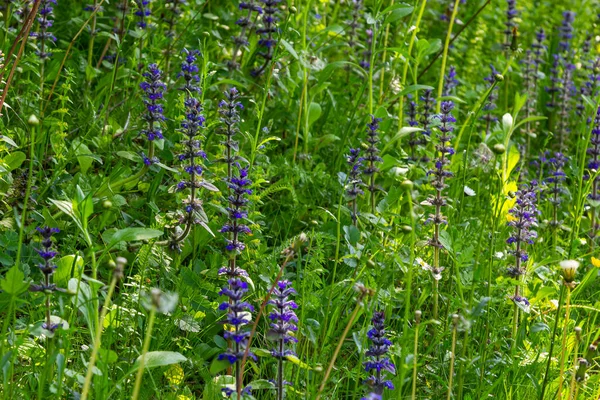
(418, 314)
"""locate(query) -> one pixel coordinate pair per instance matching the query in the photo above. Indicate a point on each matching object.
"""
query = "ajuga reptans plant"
(440, 173)
(246, 24)
(372, 157)
(45, 37)
(267, 32)
(283, 327)
(354, 182)
(378, 365)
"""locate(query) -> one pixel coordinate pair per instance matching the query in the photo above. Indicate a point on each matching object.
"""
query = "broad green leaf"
(64, 266)
(314, 112)
(155, 359)
(14, 160)
(133, 234)
(414, 88)
(13, 283)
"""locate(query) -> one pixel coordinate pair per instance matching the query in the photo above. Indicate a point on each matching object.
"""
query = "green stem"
(445, 55)
(142, 359)
(98, 339)
(406, 61)
(554, 330)
(27, 196)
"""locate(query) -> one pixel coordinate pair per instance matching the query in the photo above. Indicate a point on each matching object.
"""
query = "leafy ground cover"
(317, 199)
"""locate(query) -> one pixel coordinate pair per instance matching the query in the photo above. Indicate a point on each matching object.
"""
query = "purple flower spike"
(45, 14)
(283, 327)
(378, 362)
(267, 33)
(523, 219)
(154, 90)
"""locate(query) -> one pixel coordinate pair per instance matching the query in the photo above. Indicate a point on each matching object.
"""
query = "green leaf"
(352, 234)
(8, 140)
(64, 266)
(261, 384)
(84, 156)
(218, 365)
(289, 48)
(133, 234)
(160, 359)
(14, 160)
(314, 112)
(414, 88)
(13, 283)
(400, 11)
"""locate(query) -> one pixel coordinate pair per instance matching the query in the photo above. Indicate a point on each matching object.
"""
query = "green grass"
(71, 157)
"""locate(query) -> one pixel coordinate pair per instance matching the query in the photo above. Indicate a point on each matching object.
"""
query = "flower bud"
(407, 184)
(499, 148)
(33, 120)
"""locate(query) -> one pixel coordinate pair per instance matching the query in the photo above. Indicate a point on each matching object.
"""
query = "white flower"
(569, 269)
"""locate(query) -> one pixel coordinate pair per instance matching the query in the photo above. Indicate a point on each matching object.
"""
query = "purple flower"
(378, 362)
(45, 14)
(353, 24)
(490, 105)
(565, 31)
(46, 252)
(153, 89)
(450, 81)
(354, 181)
(524, 217)
(511, 13)
(366, 54)
(439, 172)
(372, 157)
(142, 12)
(238, 190)
(236, 320)
(283, 327)
(267, 32)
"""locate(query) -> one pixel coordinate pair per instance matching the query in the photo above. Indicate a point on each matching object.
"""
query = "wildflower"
(565, 31)
(229, 116)
(450, 82)
(45, 11)
(412, 121)
(239, 188)
(353, 24)
(47, 253)
(554, 181)
(354, 182)
(193, 154)
(154, 89)
(538, 51)
(566, 92)
(569, 270)
(490, 106)
(372, 151)
(511, 14)
(267, 31)
(377, 352)
(143, 13)
(523, 218)
(237, 318)
(366, 54)
(283, 326)
(175, 11)
(246, 24)
(594, 165)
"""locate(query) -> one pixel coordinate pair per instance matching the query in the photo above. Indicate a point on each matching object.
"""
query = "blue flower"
(154, 90)
(524, 216)
(378, 362)
(45, 14)
(237, 318)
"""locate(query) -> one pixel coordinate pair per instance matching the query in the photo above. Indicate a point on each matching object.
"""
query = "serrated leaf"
(13, 283)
